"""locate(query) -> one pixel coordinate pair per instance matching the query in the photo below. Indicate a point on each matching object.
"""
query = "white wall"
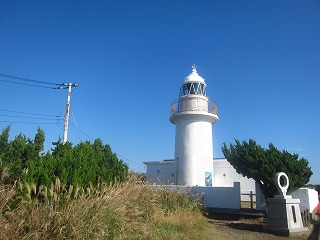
(161, 172)
(220, 197)
(213, 197)
(308, 199)
(224, 175)
(193, 148)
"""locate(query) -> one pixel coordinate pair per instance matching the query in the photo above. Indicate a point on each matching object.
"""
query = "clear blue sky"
(260, 60)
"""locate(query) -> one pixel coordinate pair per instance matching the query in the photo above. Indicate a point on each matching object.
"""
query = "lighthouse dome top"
(193, 84)
(194, 76)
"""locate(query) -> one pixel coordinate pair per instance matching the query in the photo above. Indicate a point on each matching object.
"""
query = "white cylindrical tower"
(193, 114)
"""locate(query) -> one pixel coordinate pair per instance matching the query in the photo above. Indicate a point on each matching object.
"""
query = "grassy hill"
(128, 210)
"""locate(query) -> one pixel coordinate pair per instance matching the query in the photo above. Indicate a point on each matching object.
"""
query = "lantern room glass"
(194, 88)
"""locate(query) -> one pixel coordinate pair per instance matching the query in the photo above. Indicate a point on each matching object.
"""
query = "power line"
(36, 83)
(28, 79)
(39, 123)
(26, 84)
(116, 153)
(39, 114)
(15, 116)
(55, 118)
(81, 131)
(130, 160)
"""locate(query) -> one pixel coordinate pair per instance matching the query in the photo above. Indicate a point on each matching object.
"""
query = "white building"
(194, 166)
(223, 175)
(194, 114)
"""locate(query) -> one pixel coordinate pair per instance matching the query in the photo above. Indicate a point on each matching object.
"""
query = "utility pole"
(66, 117)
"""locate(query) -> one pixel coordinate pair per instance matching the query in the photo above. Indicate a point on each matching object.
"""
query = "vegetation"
(124, 210)
(85, 192)
(84, 164)
(253, 161)
(94, 197)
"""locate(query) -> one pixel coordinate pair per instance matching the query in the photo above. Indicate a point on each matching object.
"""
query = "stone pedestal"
(284, 215)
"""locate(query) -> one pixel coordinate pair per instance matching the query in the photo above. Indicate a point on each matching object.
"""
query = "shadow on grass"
(223, 217)
(315, 233)
(253, 224)
(253, 227)
(258, 227)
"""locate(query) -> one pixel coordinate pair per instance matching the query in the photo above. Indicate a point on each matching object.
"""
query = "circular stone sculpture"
(282, 189)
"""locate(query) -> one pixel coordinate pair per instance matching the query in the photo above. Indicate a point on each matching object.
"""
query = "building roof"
(194, 76)
(167, 161)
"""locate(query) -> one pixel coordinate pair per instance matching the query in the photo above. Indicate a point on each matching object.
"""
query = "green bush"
(81, 165)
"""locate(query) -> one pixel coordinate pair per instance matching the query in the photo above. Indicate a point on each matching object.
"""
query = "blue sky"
(260, 60)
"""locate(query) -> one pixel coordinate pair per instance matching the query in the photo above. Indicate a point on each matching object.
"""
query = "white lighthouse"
(193, 114)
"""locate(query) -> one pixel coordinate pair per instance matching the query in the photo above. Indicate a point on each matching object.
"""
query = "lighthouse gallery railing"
(212, 107)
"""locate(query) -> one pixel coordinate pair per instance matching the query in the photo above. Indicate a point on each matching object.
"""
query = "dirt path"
(226, 227)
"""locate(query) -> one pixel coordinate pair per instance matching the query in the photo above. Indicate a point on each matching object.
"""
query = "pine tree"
(253, 161)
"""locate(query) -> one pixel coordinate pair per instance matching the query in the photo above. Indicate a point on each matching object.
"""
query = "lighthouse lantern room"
(193, 114)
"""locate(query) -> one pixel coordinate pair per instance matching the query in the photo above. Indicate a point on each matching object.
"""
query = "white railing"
(175, 107)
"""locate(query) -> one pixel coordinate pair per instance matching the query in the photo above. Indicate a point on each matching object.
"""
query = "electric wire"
(29, 113)
(58, 86)
(26, 84)
(27, 79)
(32, 82)
(130, 160)
(81, 131)
(116, 153)
(74, 120)
(57, 124)
(39, 123)
(40, 118)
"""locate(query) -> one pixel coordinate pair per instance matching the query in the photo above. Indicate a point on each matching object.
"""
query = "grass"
(247, 204)
(128, 210)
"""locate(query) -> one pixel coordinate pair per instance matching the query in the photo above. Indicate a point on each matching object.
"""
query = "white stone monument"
(283, 215)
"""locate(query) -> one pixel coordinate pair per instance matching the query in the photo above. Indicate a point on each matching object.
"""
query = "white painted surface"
(308, 199)
(161, 172)
(224, 175)
(213, 197)
(194, 77)
(193, 150)
(220, 197)
(282, 189)
(193, 139)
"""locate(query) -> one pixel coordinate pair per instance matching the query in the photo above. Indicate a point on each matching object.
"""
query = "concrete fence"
(220, 197)
(213, 197)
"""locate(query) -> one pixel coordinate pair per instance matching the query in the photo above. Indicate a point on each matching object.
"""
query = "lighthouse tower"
(193, 114)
